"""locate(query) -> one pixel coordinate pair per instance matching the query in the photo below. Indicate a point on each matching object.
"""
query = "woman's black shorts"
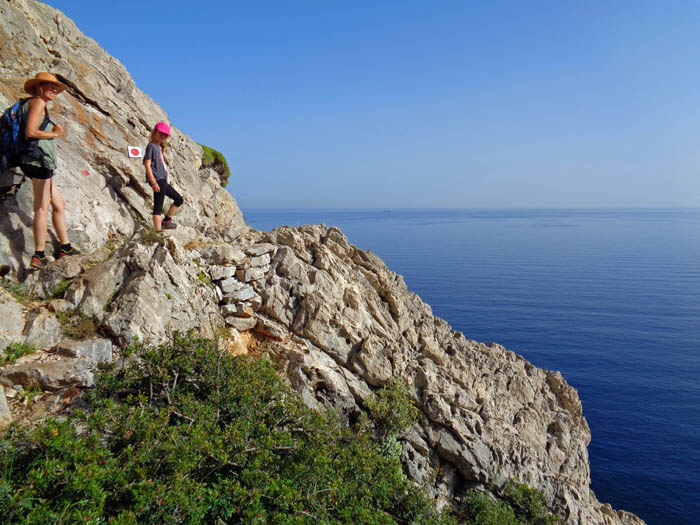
(36, 172)
(159, 198)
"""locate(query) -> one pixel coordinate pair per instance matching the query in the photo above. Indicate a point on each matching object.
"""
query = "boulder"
(242, 323)
(218, 273)
(42, 329)
(231, 284)
(91, 351)
(242, 294)
(270, 329)
(12, 315)
(47, 281)
(60, 306)
(159, 296)
(49, 375)
(221, 254)
(256, 250)
(262, 260)
(250, 274)
(237, 310)
(373, 360)
(101, 284)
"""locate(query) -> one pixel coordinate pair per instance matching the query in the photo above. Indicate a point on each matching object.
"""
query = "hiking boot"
(168, 225)
(65, 253)
(39, 262)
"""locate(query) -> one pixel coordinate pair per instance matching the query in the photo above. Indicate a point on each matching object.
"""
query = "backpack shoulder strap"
(23, 102)
(47, 119)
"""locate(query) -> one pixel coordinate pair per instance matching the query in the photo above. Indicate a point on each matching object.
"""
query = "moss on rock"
(215, 160)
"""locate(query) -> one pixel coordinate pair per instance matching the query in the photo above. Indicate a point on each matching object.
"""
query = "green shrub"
(391, 409)
(190, 435)
(390, 412)
(529, 504)
(215, 160)
(519, 505)
(479, 509)
(14, 351)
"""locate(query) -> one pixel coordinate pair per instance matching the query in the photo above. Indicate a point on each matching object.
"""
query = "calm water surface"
(609, 297)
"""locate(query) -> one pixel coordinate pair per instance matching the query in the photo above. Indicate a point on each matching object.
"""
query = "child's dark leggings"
(159, 198)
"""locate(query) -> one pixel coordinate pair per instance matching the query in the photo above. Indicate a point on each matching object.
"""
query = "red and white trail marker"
(135, 152)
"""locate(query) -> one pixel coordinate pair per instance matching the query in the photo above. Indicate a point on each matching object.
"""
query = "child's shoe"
(168, 224)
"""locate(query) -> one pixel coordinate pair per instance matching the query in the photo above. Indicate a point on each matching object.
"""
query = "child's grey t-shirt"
(155, 155)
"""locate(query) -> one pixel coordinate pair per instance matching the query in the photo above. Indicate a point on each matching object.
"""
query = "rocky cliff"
(343, 323)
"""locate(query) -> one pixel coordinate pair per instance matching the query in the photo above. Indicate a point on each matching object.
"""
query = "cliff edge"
(343, 322)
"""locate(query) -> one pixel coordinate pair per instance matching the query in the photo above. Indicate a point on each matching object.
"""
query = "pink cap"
(163, 128)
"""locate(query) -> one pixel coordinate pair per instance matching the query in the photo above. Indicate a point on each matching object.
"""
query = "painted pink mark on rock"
(86, 172)
(135, 151)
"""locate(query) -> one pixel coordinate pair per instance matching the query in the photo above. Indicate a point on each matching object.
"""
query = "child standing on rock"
(157, 177)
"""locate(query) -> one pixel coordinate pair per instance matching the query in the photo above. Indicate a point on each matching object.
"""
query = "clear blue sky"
(408, 103)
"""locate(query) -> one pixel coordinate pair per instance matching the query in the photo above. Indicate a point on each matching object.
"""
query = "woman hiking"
(39, 162)
(157, 177)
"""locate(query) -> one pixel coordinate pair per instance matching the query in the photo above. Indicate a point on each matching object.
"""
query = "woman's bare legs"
(58, 216)
(46, 193)
(42, 199)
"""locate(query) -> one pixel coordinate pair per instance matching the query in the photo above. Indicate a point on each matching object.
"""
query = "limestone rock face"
(343, 323)
(157, 290)
(488, 415)
(104, 113)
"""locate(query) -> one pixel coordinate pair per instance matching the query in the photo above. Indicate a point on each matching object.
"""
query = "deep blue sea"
(609, 297)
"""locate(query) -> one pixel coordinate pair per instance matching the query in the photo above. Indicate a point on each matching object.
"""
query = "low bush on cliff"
(390, 412)
(520, 505)
(529, 504)
(478, 508)
(188, 435)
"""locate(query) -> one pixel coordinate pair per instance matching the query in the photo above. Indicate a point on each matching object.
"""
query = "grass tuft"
(77, 325)
(60, 289)
(20, 291)
(150, 236)
(14, 351)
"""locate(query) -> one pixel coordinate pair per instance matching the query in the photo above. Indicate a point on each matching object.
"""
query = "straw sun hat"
(40, 78)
